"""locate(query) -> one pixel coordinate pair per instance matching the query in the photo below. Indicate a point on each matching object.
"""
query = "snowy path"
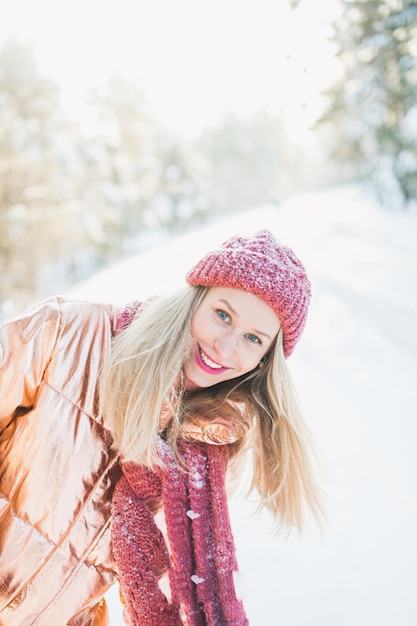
(356, 370)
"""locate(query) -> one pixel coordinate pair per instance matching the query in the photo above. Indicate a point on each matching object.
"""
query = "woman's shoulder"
(67, 305)
(64, 311)
(84, 312)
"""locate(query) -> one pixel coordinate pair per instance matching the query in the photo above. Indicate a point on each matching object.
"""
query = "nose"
(226, 345)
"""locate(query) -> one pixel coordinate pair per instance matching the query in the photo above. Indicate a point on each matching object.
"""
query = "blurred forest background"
(78, 192)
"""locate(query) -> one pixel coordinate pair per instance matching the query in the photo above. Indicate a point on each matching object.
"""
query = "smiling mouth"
(209, 362)
(206, 364)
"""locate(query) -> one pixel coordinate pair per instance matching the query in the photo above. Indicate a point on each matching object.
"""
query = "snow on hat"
(266, 268)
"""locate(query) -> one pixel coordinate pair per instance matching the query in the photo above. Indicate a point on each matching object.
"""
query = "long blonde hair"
(146, 364)
(286, 462)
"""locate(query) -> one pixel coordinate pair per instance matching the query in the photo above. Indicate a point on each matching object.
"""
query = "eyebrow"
(257, 332)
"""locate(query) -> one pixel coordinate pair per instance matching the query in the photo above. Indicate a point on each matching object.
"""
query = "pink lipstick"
(205, 367)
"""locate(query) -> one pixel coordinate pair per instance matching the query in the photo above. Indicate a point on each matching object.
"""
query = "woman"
(202, 366)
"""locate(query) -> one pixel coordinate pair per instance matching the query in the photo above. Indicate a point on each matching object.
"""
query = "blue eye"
(253, 338)
(225, 317)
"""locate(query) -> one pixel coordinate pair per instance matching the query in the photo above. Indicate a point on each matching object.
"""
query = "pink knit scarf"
(201, 557)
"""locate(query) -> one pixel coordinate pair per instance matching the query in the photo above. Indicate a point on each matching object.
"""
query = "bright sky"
(193, 59)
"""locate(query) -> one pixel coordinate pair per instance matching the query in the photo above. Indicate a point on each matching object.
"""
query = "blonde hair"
(286, 463)
(146, 363)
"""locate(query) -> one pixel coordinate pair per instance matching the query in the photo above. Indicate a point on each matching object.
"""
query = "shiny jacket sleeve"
(222, 429)
(26, 346)
(229, 424)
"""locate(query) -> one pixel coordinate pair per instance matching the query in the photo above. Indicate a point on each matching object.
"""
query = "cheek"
(199, 324)
(194, 326)
(251, 355)
(250, 363)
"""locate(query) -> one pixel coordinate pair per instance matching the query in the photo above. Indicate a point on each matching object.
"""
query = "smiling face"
(231, 331)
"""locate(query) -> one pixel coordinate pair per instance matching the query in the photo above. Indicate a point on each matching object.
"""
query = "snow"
(192, 514)
(355, 369)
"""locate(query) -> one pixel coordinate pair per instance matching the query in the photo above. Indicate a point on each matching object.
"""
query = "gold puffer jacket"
(57, 472)
(57, 469)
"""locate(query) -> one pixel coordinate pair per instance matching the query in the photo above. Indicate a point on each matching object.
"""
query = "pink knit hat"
(266, 268)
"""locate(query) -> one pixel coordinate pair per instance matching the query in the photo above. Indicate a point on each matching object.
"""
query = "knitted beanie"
(266, 268)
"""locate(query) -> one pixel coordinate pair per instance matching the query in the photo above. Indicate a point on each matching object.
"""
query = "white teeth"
(208, 361)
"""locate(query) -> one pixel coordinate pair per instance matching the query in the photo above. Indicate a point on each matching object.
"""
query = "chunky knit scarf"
(201, 557)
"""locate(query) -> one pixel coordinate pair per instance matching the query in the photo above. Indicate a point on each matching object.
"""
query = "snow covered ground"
(356, 371)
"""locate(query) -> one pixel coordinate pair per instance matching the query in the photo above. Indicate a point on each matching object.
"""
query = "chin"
(196, 381)
(201, 383)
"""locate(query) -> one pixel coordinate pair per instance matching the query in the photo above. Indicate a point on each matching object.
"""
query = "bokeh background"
(124, 122)
(134, 135)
